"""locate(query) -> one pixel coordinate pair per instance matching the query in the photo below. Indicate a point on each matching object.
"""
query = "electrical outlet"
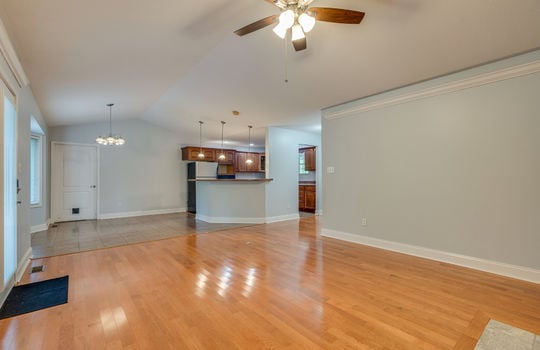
(330, 170)
(364, 221)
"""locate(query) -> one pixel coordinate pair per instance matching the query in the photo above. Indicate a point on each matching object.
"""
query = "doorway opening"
(307, 180)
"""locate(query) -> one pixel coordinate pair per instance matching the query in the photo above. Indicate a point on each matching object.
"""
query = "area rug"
(35, 296)
(498, 335)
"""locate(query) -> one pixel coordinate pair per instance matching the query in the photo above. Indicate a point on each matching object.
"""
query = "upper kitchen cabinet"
(255, 166)
(192, 153)
(310, 158)
(229, 156)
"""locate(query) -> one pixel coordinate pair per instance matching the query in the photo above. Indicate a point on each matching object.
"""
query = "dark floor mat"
(35, 296)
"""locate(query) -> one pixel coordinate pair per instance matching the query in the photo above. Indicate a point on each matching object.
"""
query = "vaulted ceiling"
(174, 62)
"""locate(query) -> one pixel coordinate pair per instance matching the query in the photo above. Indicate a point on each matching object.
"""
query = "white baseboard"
(235, 220)
(514, 271)
(229, 220)
(318, 212)
(23, 263)
(38, 228)
(271, 219)
(129, 214)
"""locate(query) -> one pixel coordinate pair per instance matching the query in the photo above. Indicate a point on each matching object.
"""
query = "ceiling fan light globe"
(280, 30)
(201, 155)
(307, 22)
(221, 156)
(297, 33)
(249, 161)
(286, 19)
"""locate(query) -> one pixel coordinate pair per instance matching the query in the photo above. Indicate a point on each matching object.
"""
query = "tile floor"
(77, 236)
(500, 336)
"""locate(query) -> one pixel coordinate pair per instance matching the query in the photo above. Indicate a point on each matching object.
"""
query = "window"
(302, 164)
(35, 170)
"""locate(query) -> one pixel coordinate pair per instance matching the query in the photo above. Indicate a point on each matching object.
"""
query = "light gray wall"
(282, 160)
(38, 215)
(27, 216)
(144, 174)
(458, 172)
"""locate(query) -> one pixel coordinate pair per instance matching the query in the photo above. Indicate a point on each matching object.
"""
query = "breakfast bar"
(231, 200)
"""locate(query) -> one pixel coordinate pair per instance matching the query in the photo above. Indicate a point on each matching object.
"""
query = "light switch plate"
(330, 170)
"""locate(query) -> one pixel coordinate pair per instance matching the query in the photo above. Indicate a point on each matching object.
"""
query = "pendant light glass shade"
(110, 140)
(222, 155)
(249, 160)
(307, 22)
(280, 30)
(286, 19)
(201, 154)
(297, 33)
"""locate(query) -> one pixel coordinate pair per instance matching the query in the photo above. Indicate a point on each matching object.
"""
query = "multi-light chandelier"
(110, 140)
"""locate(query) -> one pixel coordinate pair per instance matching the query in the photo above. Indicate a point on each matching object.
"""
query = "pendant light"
(222, 155)
(249, 160)
(201, 154)
(110, 140)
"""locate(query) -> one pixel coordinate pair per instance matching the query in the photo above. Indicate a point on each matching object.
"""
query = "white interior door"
(74, 177)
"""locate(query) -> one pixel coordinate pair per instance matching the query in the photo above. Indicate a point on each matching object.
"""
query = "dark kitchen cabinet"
(310, 158)
(241, 166)
(307, 198)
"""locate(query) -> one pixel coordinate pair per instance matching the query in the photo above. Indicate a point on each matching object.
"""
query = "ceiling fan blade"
(277, 3)
(300, 44)
(256, 25)
(328, 14)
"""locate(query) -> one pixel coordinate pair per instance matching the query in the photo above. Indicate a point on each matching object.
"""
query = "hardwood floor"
(276, 286)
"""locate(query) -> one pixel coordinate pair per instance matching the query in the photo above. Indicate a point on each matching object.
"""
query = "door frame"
(7, 91)
(54, 189)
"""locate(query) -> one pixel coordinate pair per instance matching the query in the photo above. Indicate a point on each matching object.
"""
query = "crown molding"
(462, 84)
(8, 52)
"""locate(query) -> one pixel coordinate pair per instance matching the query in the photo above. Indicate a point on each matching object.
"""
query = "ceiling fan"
(300, 18)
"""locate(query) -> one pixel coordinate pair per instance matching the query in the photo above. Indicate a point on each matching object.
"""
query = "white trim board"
(441, 89)
(38, 228)
(279, 218)
(23, 264)
(514, 271)
(235, 220)
(129, 214)
(228, 220)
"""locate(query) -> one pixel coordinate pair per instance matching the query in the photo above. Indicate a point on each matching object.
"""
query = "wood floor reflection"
(275, 286)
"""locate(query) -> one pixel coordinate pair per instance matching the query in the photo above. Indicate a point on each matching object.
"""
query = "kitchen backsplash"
(307, 177)
(250, 175)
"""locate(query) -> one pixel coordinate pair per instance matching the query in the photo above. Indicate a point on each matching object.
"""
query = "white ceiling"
(173, 63)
